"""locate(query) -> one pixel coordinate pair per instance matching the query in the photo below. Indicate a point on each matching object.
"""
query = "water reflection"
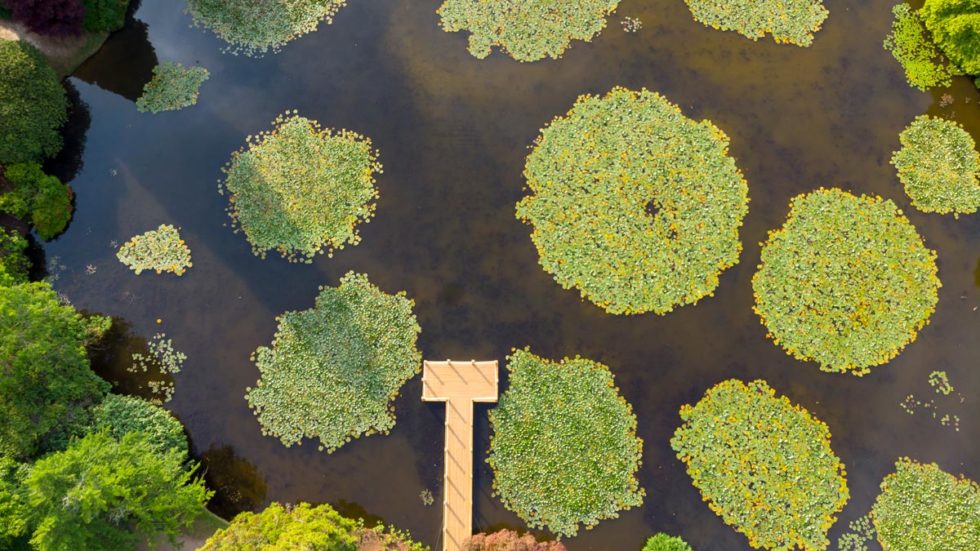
(238, 485)
(67, 164)
(124, 64)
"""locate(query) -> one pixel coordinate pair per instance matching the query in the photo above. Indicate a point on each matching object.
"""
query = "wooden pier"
(459, 384)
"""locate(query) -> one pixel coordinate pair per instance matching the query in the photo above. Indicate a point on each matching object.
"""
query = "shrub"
(332, 371)
(172, 87)
(663, 542)
(564, 450)
(301, 527)
(119, 415)
(633, 204)
(939, 166)
(300, 189)
(763, 464)
(788, 21)
(527, 31)
(955, 27)
(922, 507)
(49, 17)
(909, 42)
(509, 540)
(38, 198)
(160, 250)
(105, 15)
(14, 264)
(33, 105)
(47, 385)
(847, 282)
(255, 28)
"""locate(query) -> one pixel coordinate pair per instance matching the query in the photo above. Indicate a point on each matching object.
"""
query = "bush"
(33, 104)
(509, 540)
(41, 199)
(922, 507)
(119, 415)
(909, 42)
(789, 21)
(939, 166)
(255, 28)
(105, 15)
(634, 204)
(527, 31)
(172, 87)
(333, 370)
(663, 542)
(763, 464)
(160, 250)
(301, 527)
(955, 27)
(49, 17)
(564, 450)
(847, 281)
(300, 189)
(14, 264)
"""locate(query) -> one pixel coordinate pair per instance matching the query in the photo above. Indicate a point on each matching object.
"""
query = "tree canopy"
(277, 527)
(955, 27)
(120, 415)
(33, 104)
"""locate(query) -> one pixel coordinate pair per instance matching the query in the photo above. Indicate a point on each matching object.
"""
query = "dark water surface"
(453, 132)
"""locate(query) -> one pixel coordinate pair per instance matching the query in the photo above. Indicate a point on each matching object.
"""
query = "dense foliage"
(924, 508)
(788, 21)
(763, 464)
(663, 542)
(107, 494)
(160, 250)
(911, 45)
(509, 540)
(105, 15)
(48, 17)
(37, 198)
(633, 203)
(33, 104)
(14, 264)
(276, 527)
(255, 28)
(47, 384)
(120, 415)
(847, 282)
(332, 371)
(172, 87)
(939, 166)
(300, 189)
(528, 30)
(955, 27)
(564, 450)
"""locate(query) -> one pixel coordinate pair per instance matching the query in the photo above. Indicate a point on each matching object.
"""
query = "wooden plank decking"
(459, 384)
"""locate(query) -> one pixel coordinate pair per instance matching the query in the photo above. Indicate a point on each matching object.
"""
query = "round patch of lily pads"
(788, 21)
(160, 250)
(939, 166)
(527, 30)
(847, 282)
(300, 189)
(564, 449)
(634, 204)
(332, 371)
(763, 464)
(172, 87)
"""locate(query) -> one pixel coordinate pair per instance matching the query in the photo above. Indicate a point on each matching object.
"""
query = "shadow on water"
(124, 64)
(112, 359)
(238, 485)
(67, 164)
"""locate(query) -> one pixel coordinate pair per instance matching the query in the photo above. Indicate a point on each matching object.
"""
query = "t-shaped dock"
(459, 384)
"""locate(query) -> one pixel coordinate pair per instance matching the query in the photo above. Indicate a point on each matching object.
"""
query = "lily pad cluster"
(528, 30)
(788, 21)
(634, 204)
(924, 508)
(256, 28)
(160, 250)
(847, 281)
(172, 87)
(300, 189)
(763, 464)
(939, 166)
(333, 370)
(564, 449)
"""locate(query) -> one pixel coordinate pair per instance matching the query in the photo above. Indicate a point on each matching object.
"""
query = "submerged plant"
(847, 281)
(634, 204)
(763, 464)
(788, 21)
(333, 371)
(160, 250)
(172, 87)
(300, 189)
(912, 46)
(528, 30)
(564, 450)
(939, 166)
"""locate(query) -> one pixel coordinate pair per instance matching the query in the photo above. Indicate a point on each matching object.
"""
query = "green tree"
(120, 415)
(105, 15)
(33, 105)
(106, 494)
(12, 528)
(37, 198)
(909, 42)
(47, 385)
(955, 27)
(14, 264)
(302, 527)
(663, 542)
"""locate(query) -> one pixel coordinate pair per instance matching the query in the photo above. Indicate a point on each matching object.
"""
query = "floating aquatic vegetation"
(788, 21)
(632, 24)
(943, 509)
(333, 371)
(847, 281)
(526, 30)
(425, 496)
(256, 28)
(564, 450)
(939, 166)
(161, 359)
(160, 250)
(172, 87)
(909, 42)
(939, 381)
(859, 534)
(300, 189)
(763, 464)
(634, 204)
